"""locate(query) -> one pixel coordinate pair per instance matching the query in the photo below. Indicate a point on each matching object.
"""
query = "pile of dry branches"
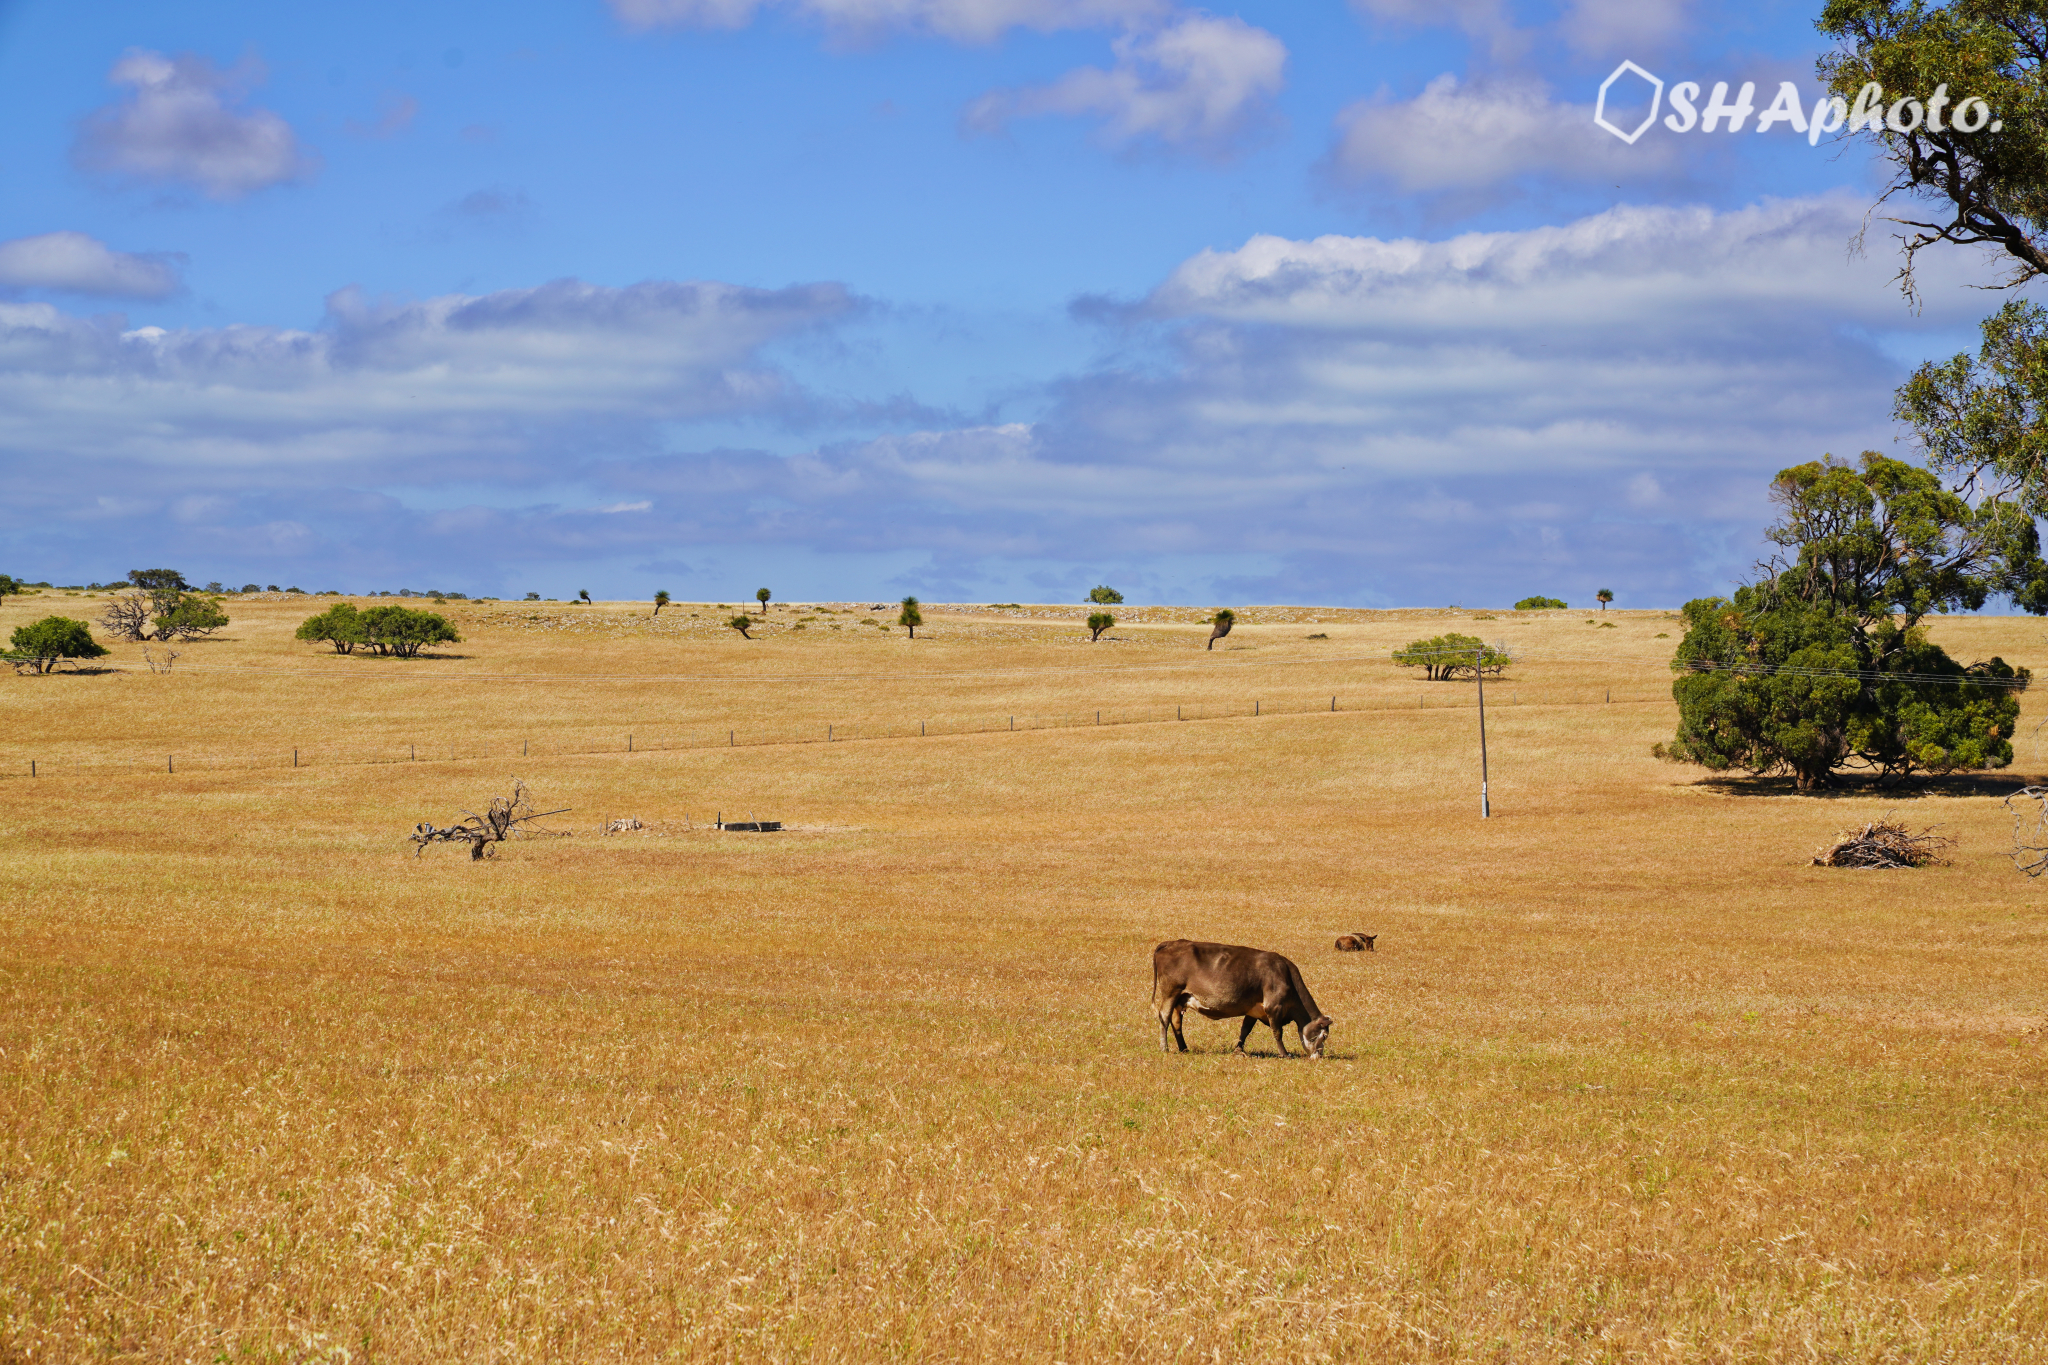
(1885, 842)
(484, 832)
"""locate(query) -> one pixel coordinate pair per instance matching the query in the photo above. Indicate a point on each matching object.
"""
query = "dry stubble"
(1625, 1081)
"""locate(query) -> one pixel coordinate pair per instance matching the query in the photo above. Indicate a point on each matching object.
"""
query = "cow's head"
(1314, 1036)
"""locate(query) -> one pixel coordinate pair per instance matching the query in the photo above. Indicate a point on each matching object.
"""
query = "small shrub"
(1541, 604)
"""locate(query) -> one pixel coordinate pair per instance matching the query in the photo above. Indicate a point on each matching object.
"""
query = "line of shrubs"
(397, 631)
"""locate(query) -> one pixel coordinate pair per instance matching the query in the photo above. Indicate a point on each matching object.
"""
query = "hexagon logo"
(1656, 102)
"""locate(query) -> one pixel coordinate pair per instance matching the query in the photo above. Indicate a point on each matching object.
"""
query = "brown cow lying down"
(1356, 943)
(1225, 981)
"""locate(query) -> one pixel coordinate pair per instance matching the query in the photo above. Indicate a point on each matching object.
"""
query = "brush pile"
(483, 832)
(1885, 842)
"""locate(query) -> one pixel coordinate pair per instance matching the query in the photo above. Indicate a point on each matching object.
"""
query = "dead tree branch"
(483, 832)
(2029, 830)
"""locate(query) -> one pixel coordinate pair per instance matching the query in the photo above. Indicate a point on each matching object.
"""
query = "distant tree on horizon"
(762, 595)
(910, 618)
(1106, 596)
(661, 599)
(1604, 596)
(1221, 623)
(1542, 604)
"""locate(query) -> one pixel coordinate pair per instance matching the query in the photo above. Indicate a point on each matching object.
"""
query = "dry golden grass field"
(1627, 1080)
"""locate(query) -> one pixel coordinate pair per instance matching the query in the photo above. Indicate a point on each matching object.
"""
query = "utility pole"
(1479, 672)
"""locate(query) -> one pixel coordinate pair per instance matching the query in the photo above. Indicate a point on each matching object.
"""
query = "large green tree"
(1824, 663)
(341, 625)
(41, 645)
(1983, 420)
(403, 632)
(1977, 176)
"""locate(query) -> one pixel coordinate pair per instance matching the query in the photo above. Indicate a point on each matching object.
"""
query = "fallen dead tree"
(1885, 842)
(2029, 830)
(506, 816)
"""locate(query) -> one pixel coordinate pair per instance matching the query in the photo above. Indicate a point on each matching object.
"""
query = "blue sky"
(978, 299)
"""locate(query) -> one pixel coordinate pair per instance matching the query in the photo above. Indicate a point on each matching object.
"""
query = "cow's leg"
(1180, 1012)
(1165, 1031)
(1280, 1037)
(1246, 1032)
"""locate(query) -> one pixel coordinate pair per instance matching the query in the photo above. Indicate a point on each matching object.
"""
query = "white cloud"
(1649, 269)
(1197, 81)
(177, 125)
(1455, 137)
(78, 264)
(975, 21)
(1347, 418)
(513, 373)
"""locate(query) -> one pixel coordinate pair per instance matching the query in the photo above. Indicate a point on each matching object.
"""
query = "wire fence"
(780, 732)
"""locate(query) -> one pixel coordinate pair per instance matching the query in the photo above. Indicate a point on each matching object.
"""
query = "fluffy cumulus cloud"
(180, 123)
(978, 21)
(1470, 136)
(1599, 403)
(1198, 80)
(74, 263)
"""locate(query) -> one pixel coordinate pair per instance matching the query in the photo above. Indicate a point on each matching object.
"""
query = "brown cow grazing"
(1225, 981)
(1356, 943)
